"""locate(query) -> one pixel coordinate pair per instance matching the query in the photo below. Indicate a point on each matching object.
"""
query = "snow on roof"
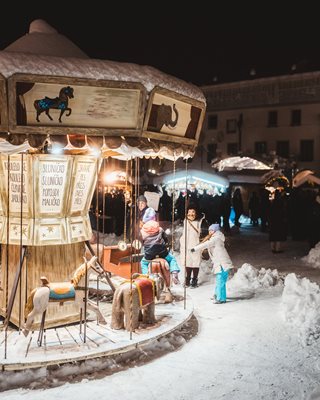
(45, 52)
(12, 63)
(45, 40)
(240, 163)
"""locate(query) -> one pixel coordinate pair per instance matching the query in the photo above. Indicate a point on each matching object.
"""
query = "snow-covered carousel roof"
(45, 52)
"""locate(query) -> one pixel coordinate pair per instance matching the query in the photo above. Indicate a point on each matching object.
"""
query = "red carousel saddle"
(146, 290)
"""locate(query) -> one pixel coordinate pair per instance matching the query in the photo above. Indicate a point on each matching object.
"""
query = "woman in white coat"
(189, 239)
(221, 260)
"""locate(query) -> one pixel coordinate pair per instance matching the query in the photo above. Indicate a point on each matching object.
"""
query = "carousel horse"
(58, 103)
(61, 292)
(135, 301)
(161, 266)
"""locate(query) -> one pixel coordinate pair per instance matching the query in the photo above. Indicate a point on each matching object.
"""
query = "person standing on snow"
(222, 263)
(190, 237)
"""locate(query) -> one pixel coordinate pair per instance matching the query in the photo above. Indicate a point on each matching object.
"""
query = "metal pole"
(85, 303)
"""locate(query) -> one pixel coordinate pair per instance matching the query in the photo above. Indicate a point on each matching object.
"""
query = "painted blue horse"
(59, 103)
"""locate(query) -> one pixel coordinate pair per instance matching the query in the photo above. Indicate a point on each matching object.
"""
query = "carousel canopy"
(50, 88)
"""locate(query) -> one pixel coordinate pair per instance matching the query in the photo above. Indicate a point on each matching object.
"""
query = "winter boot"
(187, 282)
(194, 283)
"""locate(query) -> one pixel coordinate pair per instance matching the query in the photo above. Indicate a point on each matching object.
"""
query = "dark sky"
(196, 42)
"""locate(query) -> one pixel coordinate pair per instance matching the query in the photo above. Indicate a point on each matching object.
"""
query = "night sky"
(195, 44)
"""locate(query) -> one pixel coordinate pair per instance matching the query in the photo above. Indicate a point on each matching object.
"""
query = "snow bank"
(300, 307)
(248, 280)
(313, 258)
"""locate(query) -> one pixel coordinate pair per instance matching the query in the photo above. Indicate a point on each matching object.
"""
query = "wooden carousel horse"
(61, 292)
(133, 301)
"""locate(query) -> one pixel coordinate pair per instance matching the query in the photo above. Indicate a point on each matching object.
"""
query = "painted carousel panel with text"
(84, 177)
(44, 102)
(52, 178)
(16, 171)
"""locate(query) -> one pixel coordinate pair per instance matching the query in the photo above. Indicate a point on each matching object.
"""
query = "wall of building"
(254, 99)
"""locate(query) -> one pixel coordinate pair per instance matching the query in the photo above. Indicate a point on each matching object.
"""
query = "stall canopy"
(305, 176)
(193, 179)
(50, 91)
(239, 164)
(242, 169)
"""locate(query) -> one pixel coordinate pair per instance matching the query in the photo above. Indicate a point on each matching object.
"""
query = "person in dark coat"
(277, 223)
(313, 218)
(264, 208)
(237, 204)
(226, 211)
(254, 208)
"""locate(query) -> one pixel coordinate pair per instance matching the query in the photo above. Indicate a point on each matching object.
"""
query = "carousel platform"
(103, 347)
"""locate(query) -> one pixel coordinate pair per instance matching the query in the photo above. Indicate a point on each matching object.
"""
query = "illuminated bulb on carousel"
(122, 245)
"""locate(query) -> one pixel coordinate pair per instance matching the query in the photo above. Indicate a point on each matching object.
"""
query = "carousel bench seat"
(118, 262)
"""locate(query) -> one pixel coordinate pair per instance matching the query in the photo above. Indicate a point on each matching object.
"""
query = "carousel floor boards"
(65, 345)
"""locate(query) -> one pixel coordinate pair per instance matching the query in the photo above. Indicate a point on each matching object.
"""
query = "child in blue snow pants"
(173, 265)
(220, 288)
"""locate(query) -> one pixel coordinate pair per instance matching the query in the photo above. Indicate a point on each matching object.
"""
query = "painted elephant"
(161, 114)
(128, 307)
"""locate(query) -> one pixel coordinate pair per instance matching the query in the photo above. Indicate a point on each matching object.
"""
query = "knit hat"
(142, 198)
(149, 215)
(214, 227)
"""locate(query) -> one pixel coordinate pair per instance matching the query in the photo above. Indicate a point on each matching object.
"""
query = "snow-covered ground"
(262, 344)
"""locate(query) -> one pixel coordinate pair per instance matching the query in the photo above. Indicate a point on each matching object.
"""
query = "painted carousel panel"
(48, 102)
(20, 231)
(172, 116)
(79, 228)
(16, 172)
(50, 231)
(84, 178)
(51, 179)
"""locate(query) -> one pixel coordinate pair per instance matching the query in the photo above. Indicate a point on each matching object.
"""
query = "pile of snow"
(313, 258)
(301, 307)
(248, 280)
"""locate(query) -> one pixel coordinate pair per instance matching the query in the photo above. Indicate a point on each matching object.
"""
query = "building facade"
(269, 119)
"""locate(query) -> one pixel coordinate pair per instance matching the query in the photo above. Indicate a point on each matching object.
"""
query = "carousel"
(64, 120)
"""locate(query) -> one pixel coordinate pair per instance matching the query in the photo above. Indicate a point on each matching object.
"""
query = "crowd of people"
(206, 221)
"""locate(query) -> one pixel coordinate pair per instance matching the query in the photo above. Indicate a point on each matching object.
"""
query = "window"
(211, 152)
(231, 125)
(306, 150)
(232, 149)
(283, 148)
(260, 147)
(213, 121)
(295, 117)
(272, 119)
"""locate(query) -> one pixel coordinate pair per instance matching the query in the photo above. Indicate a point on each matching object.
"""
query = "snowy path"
(243, 351)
